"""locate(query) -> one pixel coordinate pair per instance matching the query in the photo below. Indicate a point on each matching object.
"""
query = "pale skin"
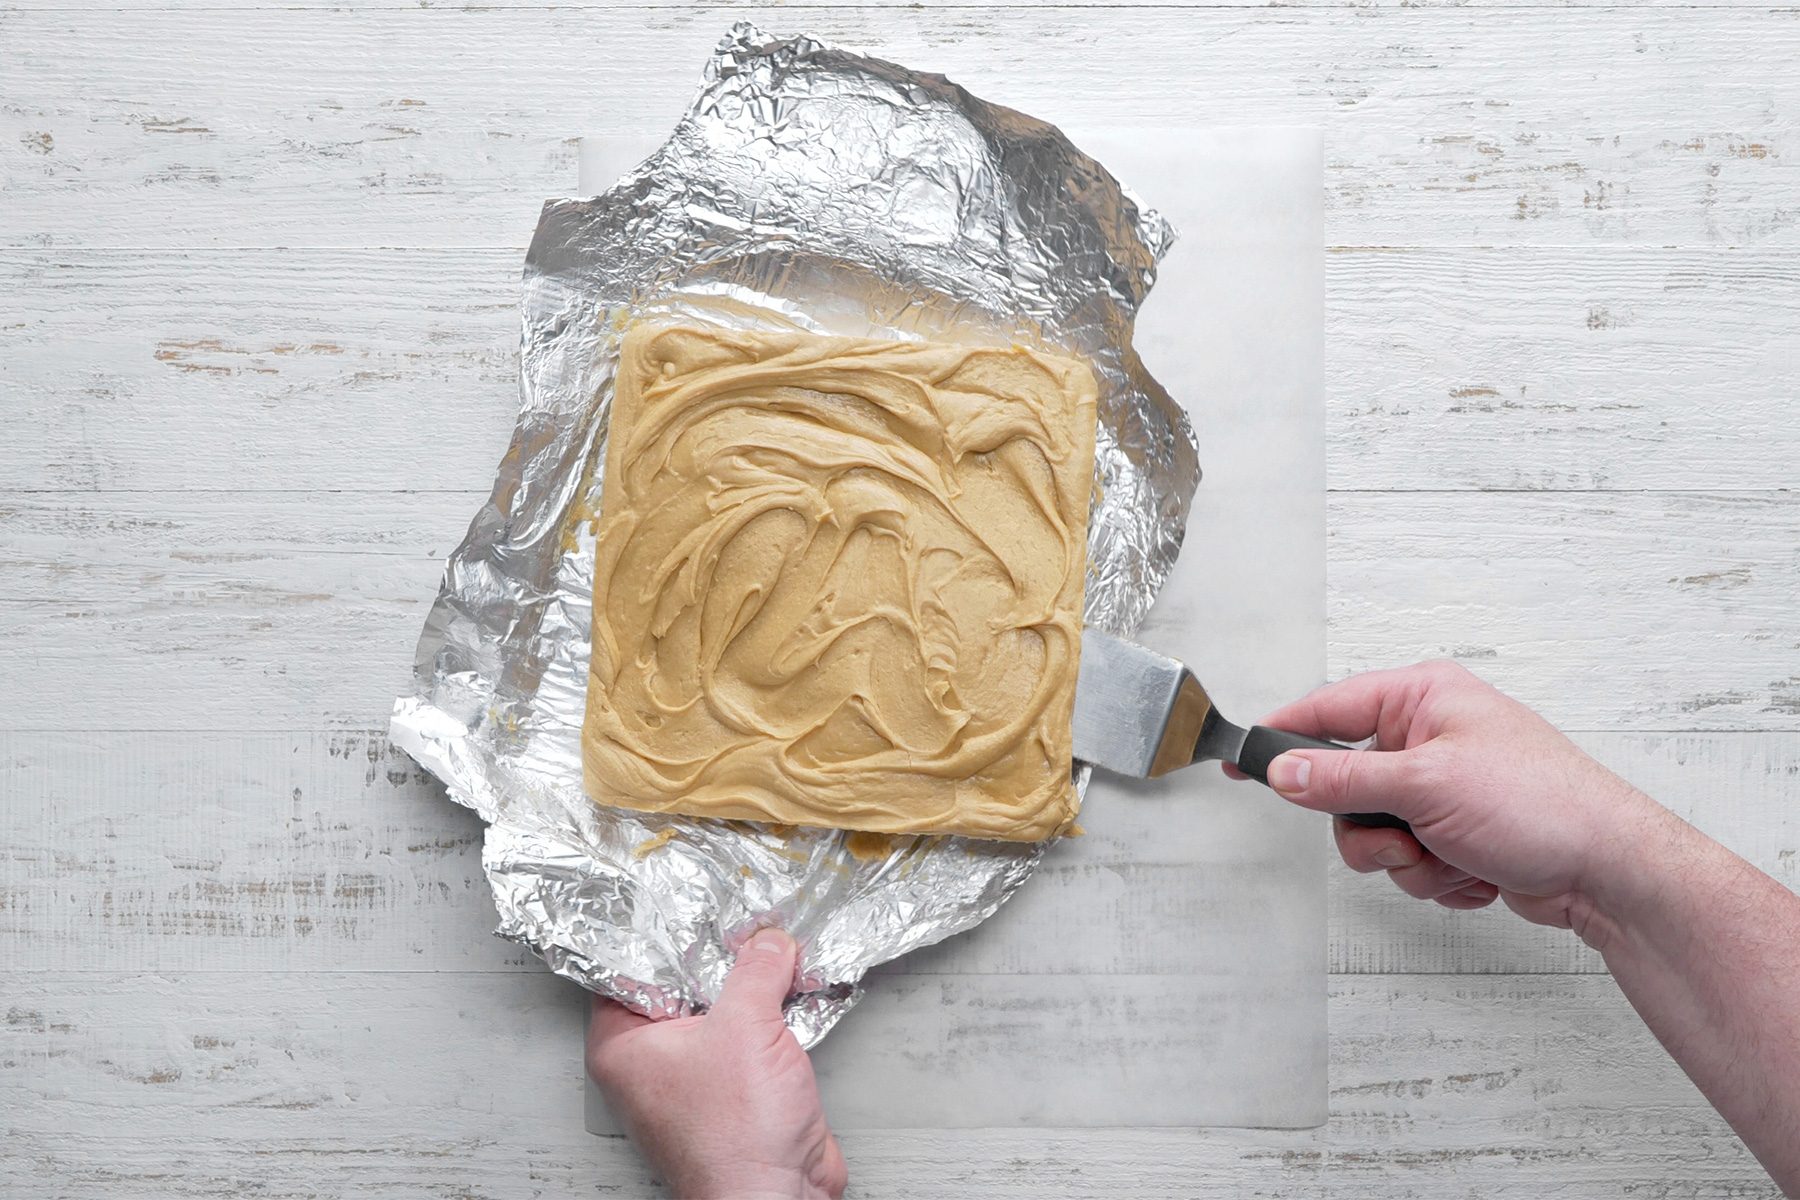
(1502, 806)
(1705, 946)
(722, 1105)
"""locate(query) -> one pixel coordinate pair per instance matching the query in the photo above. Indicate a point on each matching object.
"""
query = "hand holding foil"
(724, 1104)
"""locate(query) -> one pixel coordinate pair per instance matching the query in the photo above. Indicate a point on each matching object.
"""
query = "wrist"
(1643, 845)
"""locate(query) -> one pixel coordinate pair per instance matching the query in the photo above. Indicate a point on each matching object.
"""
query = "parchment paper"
(1199, 902)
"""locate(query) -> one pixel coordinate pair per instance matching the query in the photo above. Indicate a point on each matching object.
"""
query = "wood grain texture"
(323, 1085)
(1601, 610)
(265, 853)
(407, 127)
(256, 962)
(801, 7)
(134, 612)
(1448, 369)
(288, 611)
(273, 370)
(256, 853)
(1588, 368)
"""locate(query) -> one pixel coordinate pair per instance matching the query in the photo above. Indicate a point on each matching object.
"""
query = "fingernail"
(769, 941)
(1396, 856)
(1289, 772)
(1478, 891)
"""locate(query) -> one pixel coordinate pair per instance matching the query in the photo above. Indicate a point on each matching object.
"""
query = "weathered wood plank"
(404, 127)
(258, 375)
(152, 612)
(801, 8)
(1603, 611)
(169, 852)
(260, 852)
(1203, 1164)
(298, 611)
(1580, 368)
(277, 370)
(365, 1085)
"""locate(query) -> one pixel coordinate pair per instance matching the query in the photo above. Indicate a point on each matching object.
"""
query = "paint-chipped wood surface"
(362, 1084)
(257, 331)
(387, 126)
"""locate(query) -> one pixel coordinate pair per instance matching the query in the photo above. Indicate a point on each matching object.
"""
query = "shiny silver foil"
(806, 187)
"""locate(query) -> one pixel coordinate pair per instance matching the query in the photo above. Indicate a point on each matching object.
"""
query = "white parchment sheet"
(1168, 968)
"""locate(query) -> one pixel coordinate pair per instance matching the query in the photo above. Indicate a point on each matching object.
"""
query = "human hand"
(1500, 803)
(723, 1104)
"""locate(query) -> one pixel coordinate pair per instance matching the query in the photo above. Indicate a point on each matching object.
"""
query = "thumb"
(1348, 781)
(761, 978)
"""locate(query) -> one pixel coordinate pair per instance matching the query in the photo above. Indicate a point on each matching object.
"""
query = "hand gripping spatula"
(1139, 713)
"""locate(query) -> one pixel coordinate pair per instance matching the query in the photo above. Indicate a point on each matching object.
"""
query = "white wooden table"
(257, 287)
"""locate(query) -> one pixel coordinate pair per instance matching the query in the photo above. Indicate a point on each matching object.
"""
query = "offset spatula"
(1139, 713)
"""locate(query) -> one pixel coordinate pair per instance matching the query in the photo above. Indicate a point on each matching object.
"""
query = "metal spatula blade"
(1136, 711)
(1143, 714)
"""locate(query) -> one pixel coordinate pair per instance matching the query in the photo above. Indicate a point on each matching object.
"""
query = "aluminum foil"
(806, 187)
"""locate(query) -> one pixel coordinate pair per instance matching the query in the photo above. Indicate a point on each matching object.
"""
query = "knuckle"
(601, 1068)
(1411, 884)
(1429, 879)
(1351, 848)
(1340, 774)
(1450, 879)
(610, 1065)
(1411, 771)
(1348, 775)
(1446, 670)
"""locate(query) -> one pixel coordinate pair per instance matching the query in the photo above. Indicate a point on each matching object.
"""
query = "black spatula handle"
(1263, 745)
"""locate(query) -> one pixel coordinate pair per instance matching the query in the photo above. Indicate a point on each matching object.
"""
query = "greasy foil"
(806, 187)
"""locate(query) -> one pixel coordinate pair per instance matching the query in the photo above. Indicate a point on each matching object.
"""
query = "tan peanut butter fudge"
(839, 582)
